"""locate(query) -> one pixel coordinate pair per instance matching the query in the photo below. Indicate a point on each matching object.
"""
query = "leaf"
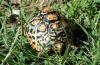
(1, 14)
(97, 1)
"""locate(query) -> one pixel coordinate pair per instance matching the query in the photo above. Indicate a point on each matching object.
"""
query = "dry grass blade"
(12, 45)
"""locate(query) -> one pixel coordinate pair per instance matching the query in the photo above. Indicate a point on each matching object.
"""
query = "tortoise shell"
(45, 31)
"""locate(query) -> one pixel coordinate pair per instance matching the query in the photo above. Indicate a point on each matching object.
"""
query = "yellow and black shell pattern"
(45, 31)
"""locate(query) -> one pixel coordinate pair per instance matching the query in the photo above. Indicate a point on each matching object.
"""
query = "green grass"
(15, 49)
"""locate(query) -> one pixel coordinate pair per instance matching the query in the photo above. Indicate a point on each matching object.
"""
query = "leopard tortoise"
(45, 32)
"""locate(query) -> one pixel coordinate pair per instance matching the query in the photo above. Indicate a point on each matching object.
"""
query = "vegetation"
(15, 49)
